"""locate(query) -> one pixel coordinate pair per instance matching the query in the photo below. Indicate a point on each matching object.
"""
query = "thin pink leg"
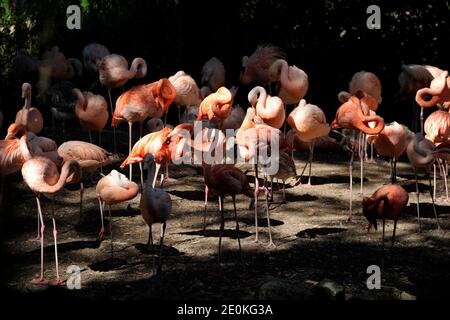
(256, 203)
(57, 281)
(158, 166)
(130, 124)
(206, 207)
(101, 234)
(41, 280)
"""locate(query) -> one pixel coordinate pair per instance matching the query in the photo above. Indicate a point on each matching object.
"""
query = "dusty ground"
(313, 241)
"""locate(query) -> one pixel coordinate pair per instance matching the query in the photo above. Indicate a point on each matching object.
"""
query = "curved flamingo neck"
(24, 148)
(138, 68)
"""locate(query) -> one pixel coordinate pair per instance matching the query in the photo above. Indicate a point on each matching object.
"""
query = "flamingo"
(309, 123)
(269, 109)
(366, 82)
(391, 142)
(439, 90)
(41, 175)
(386, 203)
(437, 126)
(134, 105)
(89, 157)
(422, 154)
(293, 81)
(28, 117)
(164, 93)
(155, 205)
(112, 189)
(354, 114)
(113, 73)
(226, 179)
(161, 144)
(216, 106)
(256, 67)
(92, 111)
(92, 53)
(213, 74)
(187, 91)
(252, 137)
(413, 78)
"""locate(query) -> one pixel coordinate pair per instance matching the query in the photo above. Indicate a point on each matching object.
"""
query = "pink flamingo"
(216, 106)
(269, 109)
(439, 90)
(113, 73)
(391, 142)
(187, 91)
(42, 177)
(366, 82)
(354, 114)
(92, 111)
(112, 189)
(293, 80)
(89, 157)
(309, 123)
(28, 117)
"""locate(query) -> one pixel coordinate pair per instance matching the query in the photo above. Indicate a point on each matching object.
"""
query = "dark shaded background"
(328, 39)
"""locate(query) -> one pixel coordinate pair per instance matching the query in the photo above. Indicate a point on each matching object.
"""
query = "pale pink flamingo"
(188, 93)
(112, 189)
(439, 90)
(42, 177)
(89, 157)
(30, 118)
(309, 123)
(293, 81)
(92, 111)
(252, 138)
(391, 142)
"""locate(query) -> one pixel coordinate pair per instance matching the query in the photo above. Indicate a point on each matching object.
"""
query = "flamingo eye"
(168, 141)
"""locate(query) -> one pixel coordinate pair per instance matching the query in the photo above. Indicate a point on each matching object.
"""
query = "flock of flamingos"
(46, 167)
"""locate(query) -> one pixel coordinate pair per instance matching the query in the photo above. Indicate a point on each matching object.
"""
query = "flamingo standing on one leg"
(269, 109)
(134, 105)
(387, 203)
(309, 123)
(351, 115)
(252, 138)
(216, 106)
(42, 177)
(28, 117)
(92, 111)
(391, 142)
(113, 73)
(155, 205)
(188, 93)
(293, 83)
(112, 189)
